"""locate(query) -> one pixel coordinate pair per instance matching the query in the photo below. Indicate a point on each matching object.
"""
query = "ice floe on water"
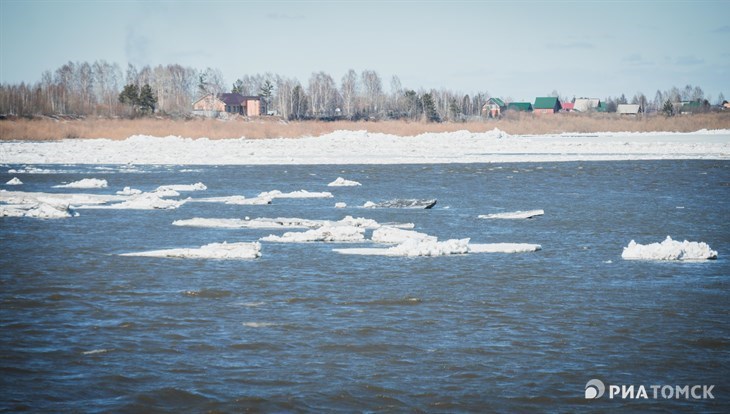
(284, 223)
(37, 210)
(209, 251)
(503, 247)
(144, 201)
(326, 233)
(340, 205)
(128, 191)
(414, 248)
(233, 200)
(669, 250)
(402, 203)
(513, 215)
(295, 194)
(396, 235)
(85, 183)
(341, 182)
(182, 187)
(14, 181)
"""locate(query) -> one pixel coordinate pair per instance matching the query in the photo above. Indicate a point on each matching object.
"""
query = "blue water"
(304, 329)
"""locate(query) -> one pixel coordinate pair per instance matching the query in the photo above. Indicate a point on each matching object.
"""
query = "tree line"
(105, 89)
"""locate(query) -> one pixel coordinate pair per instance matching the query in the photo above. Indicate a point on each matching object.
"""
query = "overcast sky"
(517, 49)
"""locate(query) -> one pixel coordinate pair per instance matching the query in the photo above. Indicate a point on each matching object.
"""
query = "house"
(546, 105)
(493, 108)
(602, 107)
(567, 106)
(693, 107)
(725, 105)
(520, 106)
(628, 109)
(231, 103)
(586, 104)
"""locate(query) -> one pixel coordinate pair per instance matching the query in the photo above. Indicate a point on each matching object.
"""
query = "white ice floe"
(233, 200)
(669, 250)
(144, 201)
(513, 215)
(410, 203)
(59, 201)
(325, 233)
(341, 182)
(257, 223)
(209, 251)
(397, 235)
(128, 191)
(14, 181)
(340, 205)
(503, 247)
(183, 187)
(295, 194)
(414, 248)
(36, 210)
(85, 183)
(362, 147)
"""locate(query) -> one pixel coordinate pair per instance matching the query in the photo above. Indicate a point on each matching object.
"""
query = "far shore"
(50, 129)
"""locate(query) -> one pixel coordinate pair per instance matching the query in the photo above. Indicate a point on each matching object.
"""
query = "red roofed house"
(567, 106)
(232, 103)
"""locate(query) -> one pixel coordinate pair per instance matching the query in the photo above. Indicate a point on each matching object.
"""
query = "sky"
(512, 49)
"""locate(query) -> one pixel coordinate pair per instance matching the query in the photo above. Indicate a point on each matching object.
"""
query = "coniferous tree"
(147, 100)
(668, 108)
(429, 108)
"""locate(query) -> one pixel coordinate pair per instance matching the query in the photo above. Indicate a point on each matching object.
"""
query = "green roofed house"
(520, 106)
(547, 105)
(493, 108)
(602, 107)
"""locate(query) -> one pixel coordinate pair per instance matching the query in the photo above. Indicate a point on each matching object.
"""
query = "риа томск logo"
(595, 389)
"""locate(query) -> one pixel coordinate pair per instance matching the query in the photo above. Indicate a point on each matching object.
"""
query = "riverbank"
(48, 129)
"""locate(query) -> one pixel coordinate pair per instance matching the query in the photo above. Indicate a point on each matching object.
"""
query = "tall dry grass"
(51, 129)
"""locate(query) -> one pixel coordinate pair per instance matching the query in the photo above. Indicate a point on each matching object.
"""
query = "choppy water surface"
(303, 329)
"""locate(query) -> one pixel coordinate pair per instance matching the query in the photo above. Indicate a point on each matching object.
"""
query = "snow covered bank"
(14, 181)
(85, 183)
(669, 250)
(209, 251)
(341, 182)
(361, 147)
(513, 215)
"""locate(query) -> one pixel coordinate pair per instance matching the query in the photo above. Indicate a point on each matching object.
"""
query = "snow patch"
(209, 251)
(669, 250)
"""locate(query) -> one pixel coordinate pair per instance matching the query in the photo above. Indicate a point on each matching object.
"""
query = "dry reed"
(51, 129)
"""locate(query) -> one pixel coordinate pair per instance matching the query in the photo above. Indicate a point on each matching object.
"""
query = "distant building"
(725, 105)
(586, 104)
(520, 106)
(628, 109)
(231, 103)
(546, 105)
(493, 108)
(693, 107)
(567, 106)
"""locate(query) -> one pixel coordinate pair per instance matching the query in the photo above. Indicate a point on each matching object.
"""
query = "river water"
(305, 329)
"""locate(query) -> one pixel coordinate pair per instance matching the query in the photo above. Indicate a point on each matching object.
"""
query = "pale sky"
(517, 49)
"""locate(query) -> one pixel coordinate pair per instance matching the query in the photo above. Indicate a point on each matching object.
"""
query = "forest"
(104, 89)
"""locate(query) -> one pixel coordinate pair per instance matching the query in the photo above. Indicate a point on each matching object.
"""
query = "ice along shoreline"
(362, 147)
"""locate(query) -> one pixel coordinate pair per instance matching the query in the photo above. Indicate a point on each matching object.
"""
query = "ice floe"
(516, 215)
(295, 194)
(669, 250)
(402, 203)
(341, 182)
(503, 247)
(233, 200)
(284, 223)
(340, 205)
(182, 187)
(414, 248)
(128, 191)
(37, 210)
(209, 251)
(144, 201)
(14, 181)
(326, 233)
(85, 183)
(396, 235)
